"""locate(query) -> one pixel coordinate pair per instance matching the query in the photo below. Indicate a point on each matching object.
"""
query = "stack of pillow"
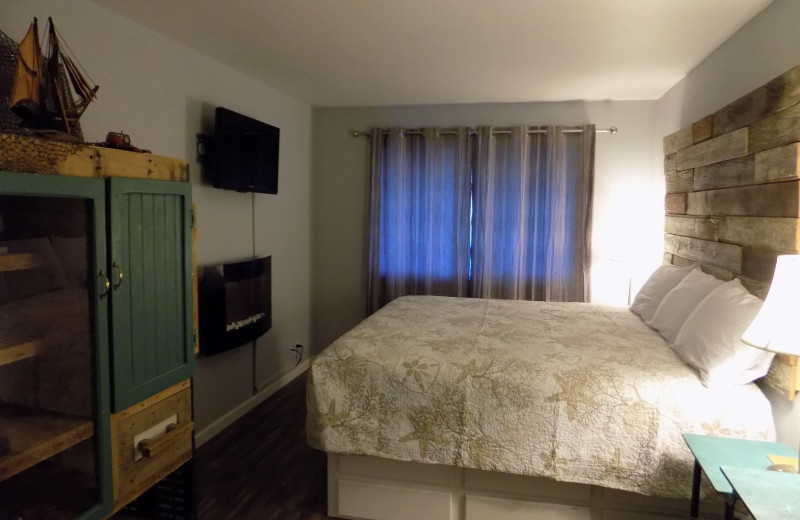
(702, 318)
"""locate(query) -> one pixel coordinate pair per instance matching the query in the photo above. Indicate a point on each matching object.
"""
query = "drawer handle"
(152, 447)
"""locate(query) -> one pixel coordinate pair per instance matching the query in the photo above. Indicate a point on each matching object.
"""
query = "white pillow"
(662, 281)
(710, 339)
(679, 303)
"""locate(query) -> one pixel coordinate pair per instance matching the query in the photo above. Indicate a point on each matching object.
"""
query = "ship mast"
(52, 72)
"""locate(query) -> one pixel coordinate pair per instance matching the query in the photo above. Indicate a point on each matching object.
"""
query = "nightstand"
(769, 495)
(710, 453)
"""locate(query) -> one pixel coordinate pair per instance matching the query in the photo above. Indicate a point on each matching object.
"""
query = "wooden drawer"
(144, 449)
(489, 508)
(367, 500)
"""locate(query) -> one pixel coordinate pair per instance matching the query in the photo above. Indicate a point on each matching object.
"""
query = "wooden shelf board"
(36, 155)
(18, 352)
(37, 435)
(18, 261)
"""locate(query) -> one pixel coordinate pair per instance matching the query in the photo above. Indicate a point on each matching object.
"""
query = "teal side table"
(710, 453)
(769, 495)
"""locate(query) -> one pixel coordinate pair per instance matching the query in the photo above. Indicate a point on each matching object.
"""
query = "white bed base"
(372, 488)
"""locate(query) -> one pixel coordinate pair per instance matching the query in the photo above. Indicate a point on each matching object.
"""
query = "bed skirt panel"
(371, 488)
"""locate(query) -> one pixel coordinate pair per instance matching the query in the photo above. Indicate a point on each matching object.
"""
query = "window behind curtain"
(419, 215)
(516, 205)
(533, 202)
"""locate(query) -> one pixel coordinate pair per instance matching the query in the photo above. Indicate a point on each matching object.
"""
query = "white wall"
(763, 49)
(627, 183)
(163, 94)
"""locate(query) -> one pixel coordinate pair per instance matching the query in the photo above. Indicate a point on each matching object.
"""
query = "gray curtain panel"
(532, 214)
(493, 215)
(419, 228)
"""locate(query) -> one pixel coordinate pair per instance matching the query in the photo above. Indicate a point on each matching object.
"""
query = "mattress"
(570, 391)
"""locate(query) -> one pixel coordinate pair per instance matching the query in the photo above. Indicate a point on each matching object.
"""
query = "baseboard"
(229, 418)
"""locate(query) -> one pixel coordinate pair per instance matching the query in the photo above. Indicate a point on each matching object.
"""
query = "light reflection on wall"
(628, 239)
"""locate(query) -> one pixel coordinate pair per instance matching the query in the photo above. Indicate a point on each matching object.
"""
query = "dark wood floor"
(261, 468)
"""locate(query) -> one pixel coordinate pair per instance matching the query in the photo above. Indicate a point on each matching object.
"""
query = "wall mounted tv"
(235, 304)
(245, 156)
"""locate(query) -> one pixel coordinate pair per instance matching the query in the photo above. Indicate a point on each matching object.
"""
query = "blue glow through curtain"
(419, 215)
(499, 215)
(532, 214)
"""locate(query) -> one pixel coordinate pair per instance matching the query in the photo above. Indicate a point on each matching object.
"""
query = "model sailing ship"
(44, 84)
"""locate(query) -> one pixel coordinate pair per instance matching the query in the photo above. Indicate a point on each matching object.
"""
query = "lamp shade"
(777, 325)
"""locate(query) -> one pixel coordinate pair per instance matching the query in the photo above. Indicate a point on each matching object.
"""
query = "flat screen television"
(235, 304)
(245, 156)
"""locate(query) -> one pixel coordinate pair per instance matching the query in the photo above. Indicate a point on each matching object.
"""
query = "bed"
(431, 401)
(438, 408)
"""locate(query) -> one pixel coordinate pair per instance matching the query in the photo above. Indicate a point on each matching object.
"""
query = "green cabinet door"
(65, 217)
(150, 270)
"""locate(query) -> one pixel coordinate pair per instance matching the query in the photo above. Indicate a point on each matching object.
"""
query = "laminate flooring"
(261, 468)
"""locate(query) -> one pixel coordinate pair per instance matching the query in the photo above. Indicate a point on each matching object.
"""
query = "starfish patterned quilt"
(571, 391)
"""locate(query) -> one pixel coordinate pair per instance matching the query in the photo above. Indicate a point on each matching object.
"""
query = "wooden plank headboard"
(733, 194)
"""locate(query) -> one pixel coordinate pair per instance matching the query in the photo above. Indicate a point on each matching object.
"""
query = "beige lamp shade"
(777, 326)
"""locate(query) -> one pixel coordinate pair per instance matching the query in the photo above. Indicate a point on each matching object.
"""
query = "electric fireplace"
(235, 304)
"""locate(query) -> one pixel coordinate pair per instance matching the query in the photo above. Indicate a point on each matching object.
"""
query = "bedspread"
(575, 392)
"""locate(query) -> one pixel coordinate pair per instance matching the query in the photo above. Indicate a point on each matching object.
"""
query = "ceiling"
(392, 52)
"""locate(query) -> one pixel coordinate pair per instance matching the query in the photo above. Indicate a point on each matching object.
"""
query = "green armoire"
(95, 316)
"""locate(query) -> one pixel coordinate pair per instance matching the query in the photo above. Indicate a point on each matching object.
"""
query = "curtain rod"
(499, 131)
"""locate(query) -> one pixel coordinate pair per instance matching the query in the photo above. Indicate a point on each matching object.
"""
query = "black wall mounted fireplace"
(235, 304)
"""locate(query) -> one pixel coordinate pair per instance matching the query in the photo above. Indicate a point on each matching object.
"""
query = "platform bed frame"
(362, 487)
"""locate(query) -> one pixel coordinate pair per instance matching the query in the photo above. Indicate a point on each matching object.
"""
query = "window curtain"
(419, 223)
(532, 214)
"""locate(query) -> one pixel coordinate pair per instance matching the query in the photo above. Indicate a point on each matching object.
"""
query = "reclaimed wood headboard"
(733, 194)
